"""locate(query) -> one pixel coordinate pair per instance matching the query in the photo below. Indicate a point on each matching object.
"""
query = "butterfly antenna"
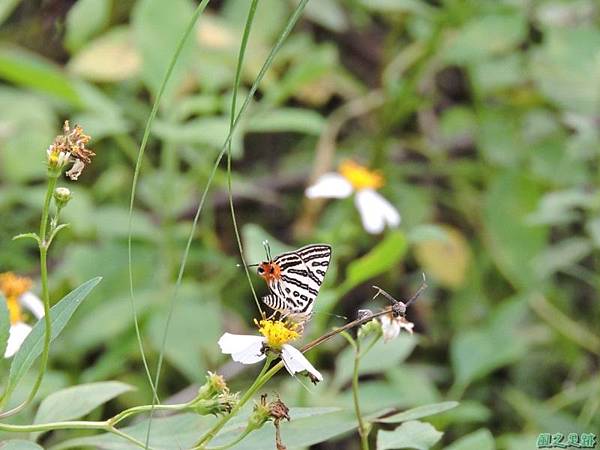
(267, 249)
(419, 291)
(330, 314)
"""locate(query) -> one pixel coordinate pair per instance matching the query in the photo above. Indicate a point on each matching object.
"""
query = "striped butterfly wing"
(302, 273)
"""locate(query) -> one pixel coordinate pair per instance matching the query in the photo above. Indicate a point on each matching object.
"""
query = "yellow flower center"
(360, 177)
(277, 332)
(13, 286)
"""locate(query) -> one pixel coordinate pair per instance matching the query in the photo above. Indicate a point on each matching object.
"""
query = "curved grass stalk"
(236, 86)
(267, 64)
(199, 9)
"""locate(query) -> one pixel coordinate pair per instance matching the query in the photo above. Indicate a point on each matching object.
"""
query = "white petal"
(390, 328)
(17, 334)
(243, 348)
(33, 304)
(375, 211)
(330, 185)
(295, 361)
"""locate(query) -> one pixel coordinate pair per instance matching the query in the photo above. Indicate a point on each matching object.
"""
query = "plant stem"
(43, 248)
(363, 430)
(145, 408)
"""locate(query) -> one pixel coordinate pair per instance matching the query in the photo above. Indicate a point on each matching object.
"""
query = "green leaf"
(307, 427)
(478, 440)
(476, 352)
(413, 434)
(287, 119)
(197, 315)
(380, 358)
(30, 70)
(34, 343)
(84, 20)
(380, 259)
(4, 324)
(20, 444)
(253, 237)
(156, 48)
(77, 401)
(566, 66)
(486, 36)
(512, 242)
(111, 57)
(419, 412)
(327, 13)
(20, 158)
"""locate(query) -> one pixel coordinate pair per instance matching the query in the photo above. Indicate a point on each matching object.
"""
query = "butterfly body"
(294, 279)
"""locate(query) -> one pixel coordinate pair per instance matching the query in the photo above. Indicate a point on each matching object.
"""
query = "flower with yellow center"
(16, 292)
(275, 337)
(375, 211)
(360, 177)
(277, 333)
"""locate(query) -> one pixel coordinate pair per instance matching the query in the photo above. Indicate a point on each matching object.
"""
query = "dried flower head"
(70, 147)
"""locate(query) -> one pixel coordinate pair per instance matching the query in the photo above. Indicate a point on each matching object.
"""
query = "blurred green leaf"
(6, 9)
(381, 357)
(565, 66)
(419, 412)
(287, 119)
(193, 333)
(385, 255)
(84, 20)
(34, 343)
(327, 13)
(77, 401)
(478, 440)
(561, 256)
(486, 36)
(27, 69)
(156, 48)
(253, 236)
(412, 434)
(20, 444)
(478, 351)
(447, 260)
(109, 58)
(28, 126)
(4, 324)
(513, 243)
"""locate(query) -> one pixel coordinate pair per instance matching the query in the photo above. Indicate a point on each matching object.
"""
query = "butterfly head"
(269, 271)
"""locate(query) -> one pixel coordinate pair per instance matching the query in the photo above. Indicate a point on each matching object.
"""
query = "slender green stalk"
(236, 86)
(199, 9)
(70, 425)
(363, 430)
(43, 248)
(237, 440)
(145, 408)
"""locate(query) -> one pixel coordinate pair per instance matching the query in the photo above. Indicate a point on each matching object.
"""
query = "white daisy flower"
(391, 326)
(250, 349)
(18, 297)
(375, 211)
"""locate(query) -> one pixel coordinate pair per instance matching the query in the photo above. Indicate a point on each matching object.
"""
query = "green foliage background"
(481, 114)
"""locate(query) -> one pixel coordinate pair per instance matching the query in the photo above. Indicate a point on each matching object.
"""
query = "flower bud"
(222, 404)
(371, 327)
(62, 195)
(260, 415)
(215, 385)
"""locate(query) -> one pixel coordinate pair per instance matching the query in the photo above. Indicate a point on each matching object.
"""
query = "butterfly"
(294, 279)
